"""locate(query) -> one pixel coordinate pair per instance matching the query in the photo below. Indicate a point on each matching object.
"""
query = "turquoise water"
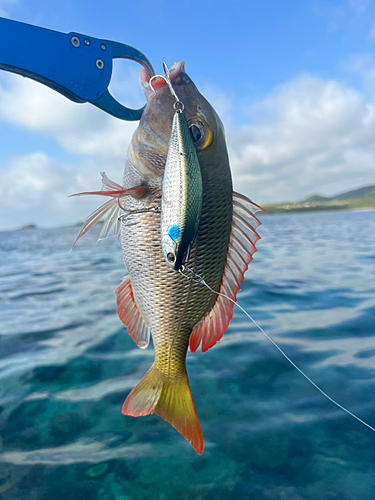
(67, 364)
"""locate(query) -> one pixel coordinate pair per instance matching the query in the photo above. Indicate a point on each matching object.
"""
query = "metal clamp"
(75, 65)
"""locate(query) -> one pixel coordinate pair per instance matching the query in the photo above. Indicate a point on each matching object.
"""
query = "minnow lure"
(181, 204)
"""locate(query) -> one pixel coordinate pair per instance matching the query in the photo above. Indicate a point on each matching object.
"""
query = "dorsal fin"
(241, 249)
(130, 316)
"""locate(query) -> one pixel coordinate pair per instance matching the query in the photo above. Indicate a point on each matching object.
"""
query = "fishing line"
(198, 279)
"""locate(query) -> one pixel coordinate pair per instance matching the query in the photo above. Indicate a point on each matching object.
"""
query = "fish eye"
(201, 135)
(170, 257)
(195, 133)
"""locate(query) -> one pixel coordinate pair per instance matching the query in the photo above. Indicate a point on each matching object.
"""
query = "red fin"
(241, 248)
(111, 224)
(130, 316)
(110, 188)
(171, 400)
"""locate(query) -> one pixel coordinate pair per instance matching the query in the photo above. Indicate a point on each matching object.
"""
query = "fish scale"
(164, 296)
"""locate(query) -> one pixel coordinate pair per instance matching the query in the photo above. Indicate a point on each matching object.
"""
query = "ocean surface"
(67, 365)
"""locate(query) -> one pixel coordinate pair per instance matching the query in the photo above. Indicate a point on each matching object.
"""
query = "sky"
(293, 82)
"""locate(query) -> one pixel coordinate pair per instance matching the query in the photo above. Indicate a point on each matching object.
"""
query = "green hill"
(315, 197)
(356, 194)
(357, 199)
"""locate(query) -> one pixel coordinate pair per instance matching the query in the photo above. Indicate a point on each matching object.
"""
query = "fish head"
(149, 146)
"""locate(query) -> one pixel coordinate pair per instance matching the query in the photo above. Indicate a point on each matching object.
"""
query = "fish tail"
(169, 398)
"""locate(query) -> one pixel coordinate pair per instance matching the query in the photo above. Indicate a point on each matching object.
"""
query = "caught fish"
(154, 298)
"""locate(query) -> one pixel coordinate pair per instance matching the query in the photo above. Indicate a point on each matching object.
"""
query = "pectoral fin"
(110, 188)
(130, 316)
(110, 209)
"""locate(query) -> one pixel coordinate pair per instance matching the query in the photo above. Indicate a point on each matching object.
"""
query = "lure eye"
(195, 133)
(170, 257)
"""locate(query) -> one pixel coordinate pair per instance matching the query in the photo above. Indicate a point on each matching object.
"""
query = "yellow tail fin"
(169, 398)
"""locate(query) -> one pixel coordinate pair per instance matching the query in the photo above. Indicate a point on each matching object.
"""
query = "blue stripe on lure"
(181, 204)
(174, 232)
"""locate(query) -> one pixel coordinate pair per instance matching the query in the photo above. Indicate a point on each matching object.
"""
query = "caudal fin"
(171, 400)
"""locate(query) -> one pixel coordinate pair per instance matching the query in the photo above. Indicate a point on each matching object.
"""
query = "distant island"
(28, 226)
(358, 199)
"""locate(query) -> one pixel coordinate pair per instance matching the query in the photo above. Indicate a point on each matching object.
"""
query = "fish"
(154, 299)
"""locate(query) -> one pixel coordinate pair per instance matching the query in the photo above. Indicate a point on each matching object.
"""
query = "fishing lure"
(181, 204)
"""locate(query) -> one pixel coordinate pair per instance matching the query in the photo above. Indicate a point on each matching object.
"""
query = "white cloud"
(80, 129)
(35, 188)
(309, 136)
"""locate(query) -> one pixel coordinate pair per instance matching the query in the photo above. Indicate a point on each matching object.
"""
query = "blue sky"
(293, 81)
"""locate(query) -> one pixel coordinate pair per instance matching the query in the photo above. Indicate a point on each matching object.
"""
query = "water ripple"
(67, 364)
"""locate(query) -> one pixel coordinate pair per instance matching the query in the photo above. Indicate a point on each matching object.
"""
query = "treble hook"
(191, 275)
(130, 213)
(167, 79)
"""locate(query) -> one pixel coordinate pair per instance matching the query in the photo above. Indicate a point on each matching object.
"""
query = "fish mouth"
(159, 83)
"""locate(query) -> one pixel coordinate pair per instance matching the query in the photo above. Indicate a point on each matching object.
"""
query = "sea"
(67, 365)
